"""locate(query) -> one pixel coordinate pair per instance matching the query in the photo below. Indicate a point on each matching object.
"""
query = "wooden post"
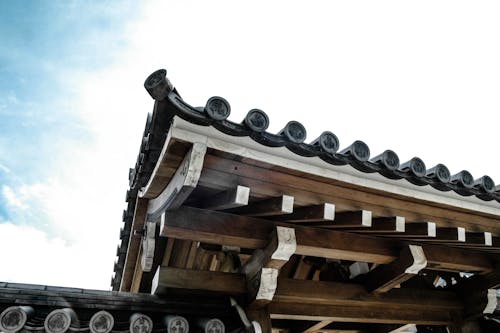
(261, 320)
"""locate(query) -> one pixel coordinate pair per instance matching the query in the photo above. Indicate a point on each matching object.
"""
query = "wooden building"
(231, 228)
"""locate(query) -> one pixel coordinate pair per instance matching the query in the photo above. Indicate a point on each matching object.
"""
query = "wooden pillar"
(262, 318)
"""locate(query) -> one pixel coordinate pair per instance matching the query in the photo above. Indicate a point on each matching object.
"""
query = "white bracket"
(492, 301)
(148, 246)
(268, 284)
(287, 243)
(419, 260)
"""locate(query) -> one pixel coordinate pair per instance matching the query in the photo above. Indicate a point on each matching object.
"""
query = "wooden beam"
(253, 233)
(391, 225)
(262, 269)
(303, 270)
(445, 235)
(415, 230)
(180, 253)
(385, 277)
(232, 198)
(361, 314)
(169, 279)
(408, 328)
(262, 318)
(136, 280)
(134, 244)
(318, 326)
(269, 180)
(168, 252)
(268, 207)
(479, 303)
(181, 184)
(361, 218)
(315, 213)
(479, 238)
(319, 300)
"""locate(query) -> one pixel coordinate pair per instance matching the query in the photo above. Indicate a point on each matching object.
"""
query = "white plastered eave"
(281, 156)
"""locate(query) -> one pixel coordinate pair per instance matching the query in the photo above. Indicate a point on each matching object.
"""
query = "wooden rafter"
(232, 198)
(279, 205)
(382, 225)
(246, 232)
(385, 277)
(314, 213)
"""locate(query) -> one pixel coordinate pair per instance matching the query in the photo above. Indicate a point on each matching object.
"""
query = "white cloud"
(14, 200)
(31, 256)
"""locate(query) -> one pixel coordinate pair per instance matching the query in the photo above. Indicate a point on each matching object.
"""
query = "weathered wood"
(306, 291)
(361, 314)
(148, 246)
(318, 326)
(445, 235)
(408, 328)
(168, 278)
(385, 277)
(479, 238)
(303, 270)
(134, 244)
(246, 232)
(362, 218)
(192, 255)
(262, 318)
(168, 252)
(180, 253)
(182, 183)
(273, 206)
(315, 213)
(227, 199)
(415, 230)
(262, 269)
(309, 189)
(481, 302)
(480, 282)
(138, 272)
(394, 225)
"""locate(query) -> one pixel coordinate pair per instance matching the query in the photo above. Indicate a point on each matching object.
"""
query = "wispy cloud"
(4, 169)
(54, 260)
(13, 199)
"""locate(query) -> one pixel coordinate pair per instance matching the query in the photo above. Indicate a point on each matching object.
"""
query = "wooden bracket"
(232, 198)
(492, 304)
(182, 183)
(385, 277)
(267, 284)
(263, 267)
(148, 246)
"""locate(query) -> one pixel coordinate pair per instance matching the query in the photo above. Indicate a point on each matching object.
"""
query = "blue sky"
(42, 44)
(420, 78)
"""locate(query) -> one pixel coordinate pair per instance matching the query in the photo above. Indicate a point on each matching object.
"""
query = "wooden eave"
(242, 193)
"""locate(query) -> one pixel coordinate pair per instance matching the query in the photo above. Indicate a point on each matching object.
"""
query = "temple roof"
(287, 150)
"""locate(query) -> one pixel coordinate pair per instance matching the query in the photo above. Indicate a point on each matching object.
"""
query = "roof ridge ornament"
(157, 85)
